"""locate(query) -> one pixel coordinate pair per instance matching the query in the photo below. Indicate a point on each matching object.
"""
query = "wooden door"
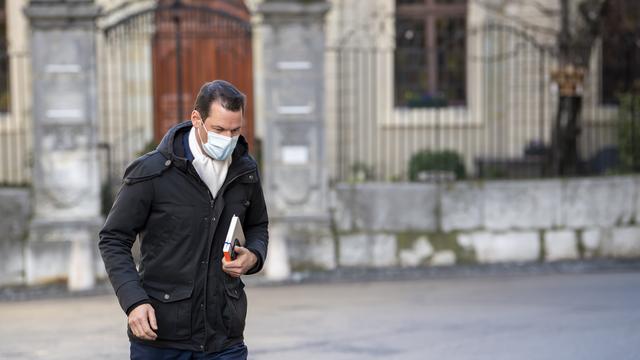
(197, 41)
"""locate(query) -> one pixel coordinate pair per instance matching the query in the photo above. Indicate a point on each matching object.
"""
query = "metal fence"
(499, 118)
(495, 108)
(125, 96)
(153, 60)
(15, 119)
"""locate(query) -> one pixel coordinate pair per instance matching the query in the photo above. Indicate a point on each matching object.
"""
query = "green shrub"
(445, 160)
(361, 172)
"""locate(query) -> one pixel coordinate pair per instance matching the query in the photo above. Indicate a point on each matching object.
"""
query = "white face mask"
(218, 147)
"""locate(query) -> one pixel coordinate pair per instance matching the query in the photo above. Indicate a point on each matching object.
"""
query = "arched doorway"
(151, 52)
(198, 41)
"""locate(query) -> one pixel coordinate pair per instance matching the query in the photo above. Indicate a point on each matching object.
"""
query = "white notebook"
(235, 237)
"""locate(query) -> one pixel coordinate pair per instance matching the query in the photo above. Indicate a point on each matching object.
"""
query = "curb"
(354, 275)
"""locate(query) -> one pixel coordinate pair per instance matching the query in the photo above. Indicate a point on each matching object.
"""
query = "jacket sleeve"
(125, 220)
(256, 226)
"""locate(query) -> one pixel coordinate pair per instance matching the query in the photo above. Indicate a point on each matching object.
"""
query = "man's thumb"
(152, 319)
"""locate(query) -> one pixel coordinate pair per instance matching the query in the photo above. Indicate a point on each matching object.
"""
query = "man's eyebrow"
(218, 127)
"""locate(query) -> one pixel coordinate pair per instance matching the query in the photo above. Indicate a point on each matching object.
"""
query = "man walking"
(185, 301)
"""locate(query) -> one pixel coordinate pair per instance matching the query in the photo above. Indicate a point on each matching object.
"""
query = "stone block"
(15, 208)
(560, 245)
(47, 261)
(377, 250)
(11, 263)
(443, 258)
(309, 246)
(623, 243)
(602, 202)
(354, 250)
(341, 201)
(510, 205)
(492, 247)
(384, 250)
(323, 253)
(100, 270)
(417, 254)
(461, 206)
(591, 239)
(465, 240)
(278, 264)
(637, 200)
(388, 207)
(48, 251)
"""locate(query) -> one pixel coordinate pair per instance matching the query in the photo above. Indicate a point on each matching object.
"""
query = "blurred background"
(393, 136)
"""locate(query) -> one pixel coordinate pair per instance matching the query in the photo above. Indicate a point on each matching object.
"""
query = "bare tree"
(580, 27)
(572, 43)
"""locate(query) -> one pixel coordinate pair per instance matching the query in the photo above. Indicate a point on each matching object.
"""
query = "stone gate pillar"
(295, 174)
(66, 186)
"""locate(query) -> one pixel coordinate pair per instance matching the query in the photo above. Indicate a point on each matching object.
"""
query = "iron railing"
(15, 119)
(504, 127)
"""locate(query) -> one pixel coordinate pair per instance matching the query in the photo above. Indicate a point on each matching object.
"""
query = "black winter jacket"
(182, 230)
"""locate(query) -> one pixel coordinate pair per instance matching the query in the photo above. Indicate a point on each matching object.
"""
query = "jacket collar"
(172, 148)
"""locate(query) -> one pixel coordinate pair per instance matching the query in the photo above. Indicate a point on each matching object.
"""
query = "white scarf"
(212, 172)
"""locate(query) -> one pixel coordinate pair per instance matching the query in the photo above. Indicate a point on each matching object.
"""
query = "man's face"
(221, 121)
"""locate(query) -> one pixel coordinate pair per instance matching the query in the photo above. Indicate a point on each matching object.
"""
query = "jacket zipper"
(212, 202)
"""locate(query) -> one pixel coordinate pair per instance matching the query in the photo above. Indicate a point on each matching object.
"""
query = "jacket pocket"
(170, 226)
(234, 311)
(173, 311)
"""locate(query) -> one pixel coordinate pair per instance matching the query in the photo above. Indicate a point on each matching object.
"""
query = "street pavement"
(548, 316)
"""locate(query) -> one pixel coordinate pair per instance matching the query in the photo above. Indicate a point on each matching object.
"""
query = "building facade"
(402, 76)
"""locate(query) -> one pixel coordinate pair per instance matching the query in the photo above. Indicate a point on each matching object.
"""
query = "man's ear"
(195, 118)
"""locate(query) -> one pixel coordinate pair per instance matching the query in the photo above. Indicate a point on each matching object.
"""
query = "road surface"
(559, 316)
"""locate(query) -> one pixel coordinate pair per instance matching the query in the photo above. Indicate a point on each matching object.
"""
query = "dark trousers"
(146, 352)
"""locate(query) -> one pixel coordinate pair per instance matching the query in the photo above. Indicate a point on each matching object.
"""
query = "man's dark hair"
(221, 91)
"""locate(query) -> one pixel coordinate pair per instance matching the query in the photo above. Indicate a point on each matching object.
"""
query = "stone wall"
(15, 211)
(411, 224)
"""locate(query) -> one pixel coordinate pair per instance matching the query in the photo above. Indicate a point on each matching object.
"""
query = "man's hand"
(244, 261)
(142, 319)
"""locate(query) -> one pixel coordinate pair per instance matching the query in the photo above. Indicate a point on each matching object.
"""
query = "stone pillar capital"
(62, 14)
(281, 10)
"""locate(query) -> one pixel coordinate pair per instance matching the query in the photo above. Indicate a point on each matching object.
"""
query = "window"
(620, 50)
(4, 59)
(430, 57)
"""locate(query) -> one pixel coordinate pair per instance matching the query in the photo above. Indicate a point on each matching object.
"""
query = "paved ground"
(560, 316)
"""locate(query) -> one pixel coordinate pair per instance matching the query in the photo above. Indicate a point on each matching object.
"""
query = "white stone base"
(591, 240)
(623, 243)
(277, 266)
(443, 258)
(560, 245)
(368, 250)
(503, 247)
(416, 255)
